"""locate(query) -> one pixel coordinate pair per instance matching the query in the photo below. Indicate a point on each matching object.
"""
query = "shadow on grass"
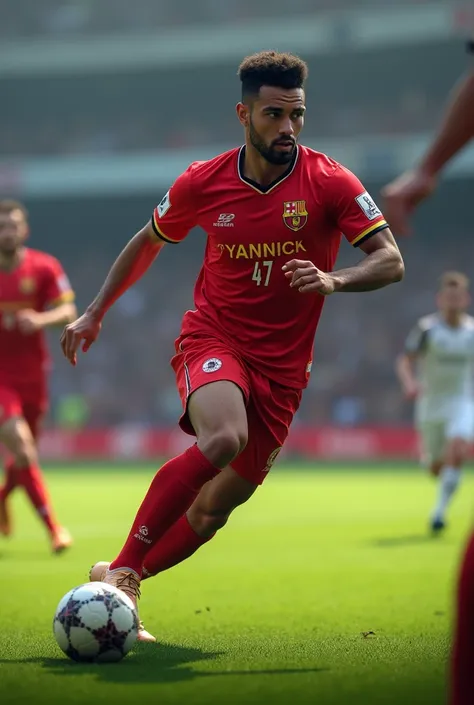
(160, 663)
(410, 540)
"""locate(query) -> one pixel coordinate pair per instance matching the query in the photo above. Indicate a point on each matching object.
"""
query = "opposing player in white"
(436, 370)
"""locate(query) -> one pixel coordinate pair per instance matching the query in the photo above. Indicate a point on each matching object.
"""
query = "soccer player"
(273, 212)
(34, 294)
(402, 196)
(443, 345)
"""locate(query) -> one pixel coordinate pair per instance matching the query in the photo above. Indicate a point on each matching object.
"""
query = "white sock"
(448, 483)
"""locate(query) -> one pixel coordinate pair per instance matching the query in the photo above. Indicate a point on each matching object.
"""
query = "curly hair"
(270, 68)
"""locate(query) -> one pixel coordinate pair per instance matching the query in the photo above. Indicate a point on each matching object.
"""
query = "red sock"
(170, 494)
(32, 480)
(462, 674)
(12, 480)
(179, 542)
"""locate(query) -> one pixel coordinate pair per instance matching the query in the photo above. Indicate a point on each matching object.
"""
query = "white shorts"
(435, 434)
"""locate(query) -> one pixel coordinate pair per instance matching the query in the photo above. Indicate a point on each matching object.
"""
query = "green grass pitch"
(273, 610)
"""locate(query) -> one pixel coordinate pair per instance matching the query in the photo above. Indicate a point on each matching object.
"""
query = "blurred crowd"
(126, 376)
(87, 132)
(59, 18)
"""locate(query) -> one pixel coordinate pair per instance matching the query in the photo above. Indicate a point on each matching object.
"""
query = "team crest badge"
(295, 215)
(27, 285)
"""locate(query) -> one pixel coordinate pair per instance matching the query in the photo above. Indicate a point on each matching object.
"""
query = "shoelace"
(130, 584)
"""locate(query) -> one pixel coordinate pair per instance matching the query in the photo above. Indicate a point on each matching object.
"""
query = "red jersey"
(242, 296)
(38, 283)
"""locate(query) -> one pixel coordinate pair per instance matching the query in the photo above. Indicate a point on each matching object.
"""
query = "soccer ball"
(96, 622)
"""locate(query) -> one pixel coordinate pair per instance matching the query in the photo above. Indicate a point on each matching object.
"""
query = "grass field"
(271, 611)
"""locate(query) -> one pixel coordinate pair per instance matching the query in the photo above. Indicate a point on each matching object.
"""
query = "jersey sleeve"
(417, 340)
(56, 288)
(175, 215)
(355, 212)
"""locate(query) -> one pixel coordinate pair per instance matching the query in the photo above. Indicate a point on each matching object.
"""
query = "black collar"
(257, 186)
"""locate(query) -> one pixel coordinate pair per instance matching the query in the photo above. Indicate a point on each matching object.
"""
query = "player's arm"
(405, 367)
(355, 214)
(29, 321)
(131, 264)
(172, 219)
(382, 265)
(405, 364)
(55, 305)
(456, 130)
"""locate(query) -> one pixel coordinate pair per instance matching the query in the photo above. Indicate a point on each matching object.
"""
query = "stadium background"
(104, 102)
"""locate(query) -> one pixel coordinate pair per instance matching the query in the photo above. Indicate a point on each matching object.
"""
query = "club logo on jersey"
(27, 285)
(164, 205)
(271, 459)
(225, 220)
(295, 215)
(212, 365)
(368, 206)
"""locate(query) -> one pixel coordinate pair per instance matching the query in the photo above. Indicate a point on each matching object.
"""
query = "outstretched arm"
(131, 264)
(128, 268)
(456, 130)
(382, 265)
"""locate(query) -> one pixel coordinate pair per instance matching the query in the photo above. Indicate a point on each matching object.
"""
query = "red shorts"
(270, 406)
(12, 405)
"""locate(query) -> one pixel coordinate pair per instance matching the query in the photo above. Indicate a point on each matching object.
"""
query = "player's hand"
(29, 321)
(403, 195)
(412, 389)
(307, 278)
(84, 330)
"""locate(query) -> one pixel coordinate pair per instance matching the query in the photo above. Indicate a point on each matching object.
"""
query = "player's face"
(13, 231)
(273, 122)
(453, 299)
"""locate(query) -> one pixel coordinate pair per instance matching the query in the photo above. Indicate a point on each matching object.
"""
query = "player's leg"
(269, 412)
(458, 436)
(10, 483)
(449, 479)
(432, 435)
(33, 482)
(10, 411)
(208, 513)
(432, 439)
(16, 436)
(217, 411)
(462, 675)
(218, 382)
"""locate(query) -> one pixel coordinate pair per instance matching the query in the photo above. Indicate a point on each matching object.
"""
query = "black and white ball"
(96, 622)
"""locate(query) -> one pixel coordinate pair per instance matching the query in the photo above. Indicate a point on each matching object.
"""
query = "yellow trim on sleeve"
(66, 298)
(160, 233)
(368, 230)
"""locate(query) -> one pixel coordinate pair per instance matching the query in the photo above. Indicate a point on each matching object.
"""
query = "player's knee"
(25, 454)
(206, 523)
(222, 446)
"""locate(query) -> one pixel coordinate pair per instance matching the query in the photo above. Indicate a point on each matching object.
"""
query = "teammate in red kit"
(273, 212)
(402, 196)
(34, 294)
